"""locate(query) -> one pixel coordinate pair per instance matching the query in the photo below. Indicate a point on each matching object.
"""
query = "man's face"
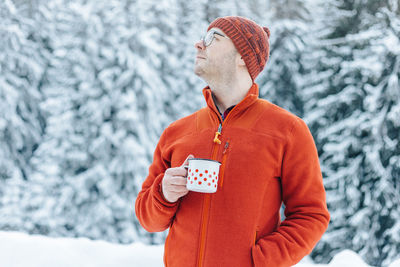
(216, 59)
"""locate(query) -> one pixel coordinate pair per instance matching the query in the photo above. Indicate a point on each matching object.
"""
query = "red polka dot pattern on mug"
(210, 180)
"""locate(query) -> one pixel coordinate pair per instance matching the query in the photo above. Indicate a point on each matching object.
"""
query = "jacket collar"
(248, 100)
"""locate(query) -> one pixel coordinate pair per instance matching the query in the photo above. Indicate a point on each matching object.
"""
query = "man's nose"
(199, 45)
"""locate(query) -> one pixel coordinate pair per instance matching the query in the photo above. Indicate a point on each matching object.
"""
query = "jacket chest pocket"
(223, 164)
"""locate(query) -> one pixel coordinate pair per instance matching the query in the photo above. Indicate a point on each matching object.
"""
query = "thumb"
(186, 162)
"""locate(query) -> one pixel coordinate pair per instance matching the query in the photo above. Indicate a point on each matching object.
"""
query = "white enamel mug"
(202, 175)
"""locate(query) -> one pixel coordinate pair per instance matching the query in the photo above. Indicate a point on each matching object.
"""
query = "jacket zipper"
(206, 207)
(207, 197)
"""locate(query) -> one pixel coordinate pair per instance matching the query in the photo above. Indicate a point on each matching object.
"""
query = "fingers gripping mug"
(203, 175)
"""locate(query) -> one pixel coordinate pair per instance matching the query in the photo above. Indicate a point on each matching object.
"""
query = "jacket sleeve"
(153, 211)
(303, 194)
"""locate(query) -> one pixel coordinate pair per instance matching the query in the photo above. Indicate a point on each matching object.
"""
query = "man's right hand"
(174, 182)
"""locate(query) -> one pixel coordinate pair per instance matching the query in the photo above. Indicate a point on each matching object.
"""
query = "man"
(268, 158)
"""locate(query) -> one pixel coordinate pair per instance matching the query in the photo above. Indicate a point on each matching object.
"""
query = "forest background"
(87, 87)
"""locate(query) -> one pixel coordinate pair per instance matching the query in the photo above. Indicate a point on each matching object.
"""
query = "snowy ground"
(22, 250)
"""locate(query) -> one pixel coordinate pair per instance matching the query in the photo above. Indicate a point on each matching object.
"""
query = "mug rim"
(204, 159)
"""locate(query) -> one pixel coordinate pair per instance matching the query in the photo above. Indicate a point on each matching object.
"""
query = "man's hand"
(174, 182)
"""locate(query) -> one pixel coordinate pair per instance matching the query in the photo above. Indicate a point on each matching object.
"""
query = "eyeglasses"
(207, 40)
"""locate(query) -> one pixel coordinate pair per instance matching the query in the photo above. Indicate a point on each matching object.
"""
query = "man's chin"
(198, 71)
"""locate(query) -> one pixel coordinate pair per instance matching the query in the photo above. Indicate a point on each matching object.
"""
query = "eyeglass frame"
(211, 32)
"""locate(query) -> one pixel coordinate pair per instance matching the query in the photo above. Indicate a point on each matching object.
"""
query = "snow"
(21, 250)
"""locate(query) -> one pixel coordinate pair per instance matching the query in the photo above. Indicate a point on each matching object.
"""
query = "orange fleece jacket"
(268, 157)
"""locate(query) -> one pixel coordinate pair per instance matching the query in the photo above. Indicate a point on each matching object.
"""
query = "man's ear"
(240, 61)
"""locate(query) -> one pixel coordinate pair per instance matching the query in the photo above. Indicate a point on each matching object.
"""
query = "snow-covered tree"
(21, 121)
(99, 102)
(353, 106)
(282, 80)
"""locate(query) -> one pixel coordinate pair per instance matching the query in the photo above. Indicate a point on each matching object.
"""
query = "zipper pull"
(217, 134)
(226, 147)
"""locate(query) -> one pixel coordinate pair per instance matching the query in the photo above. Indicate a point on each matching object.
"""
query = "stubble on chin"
(198, 70)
